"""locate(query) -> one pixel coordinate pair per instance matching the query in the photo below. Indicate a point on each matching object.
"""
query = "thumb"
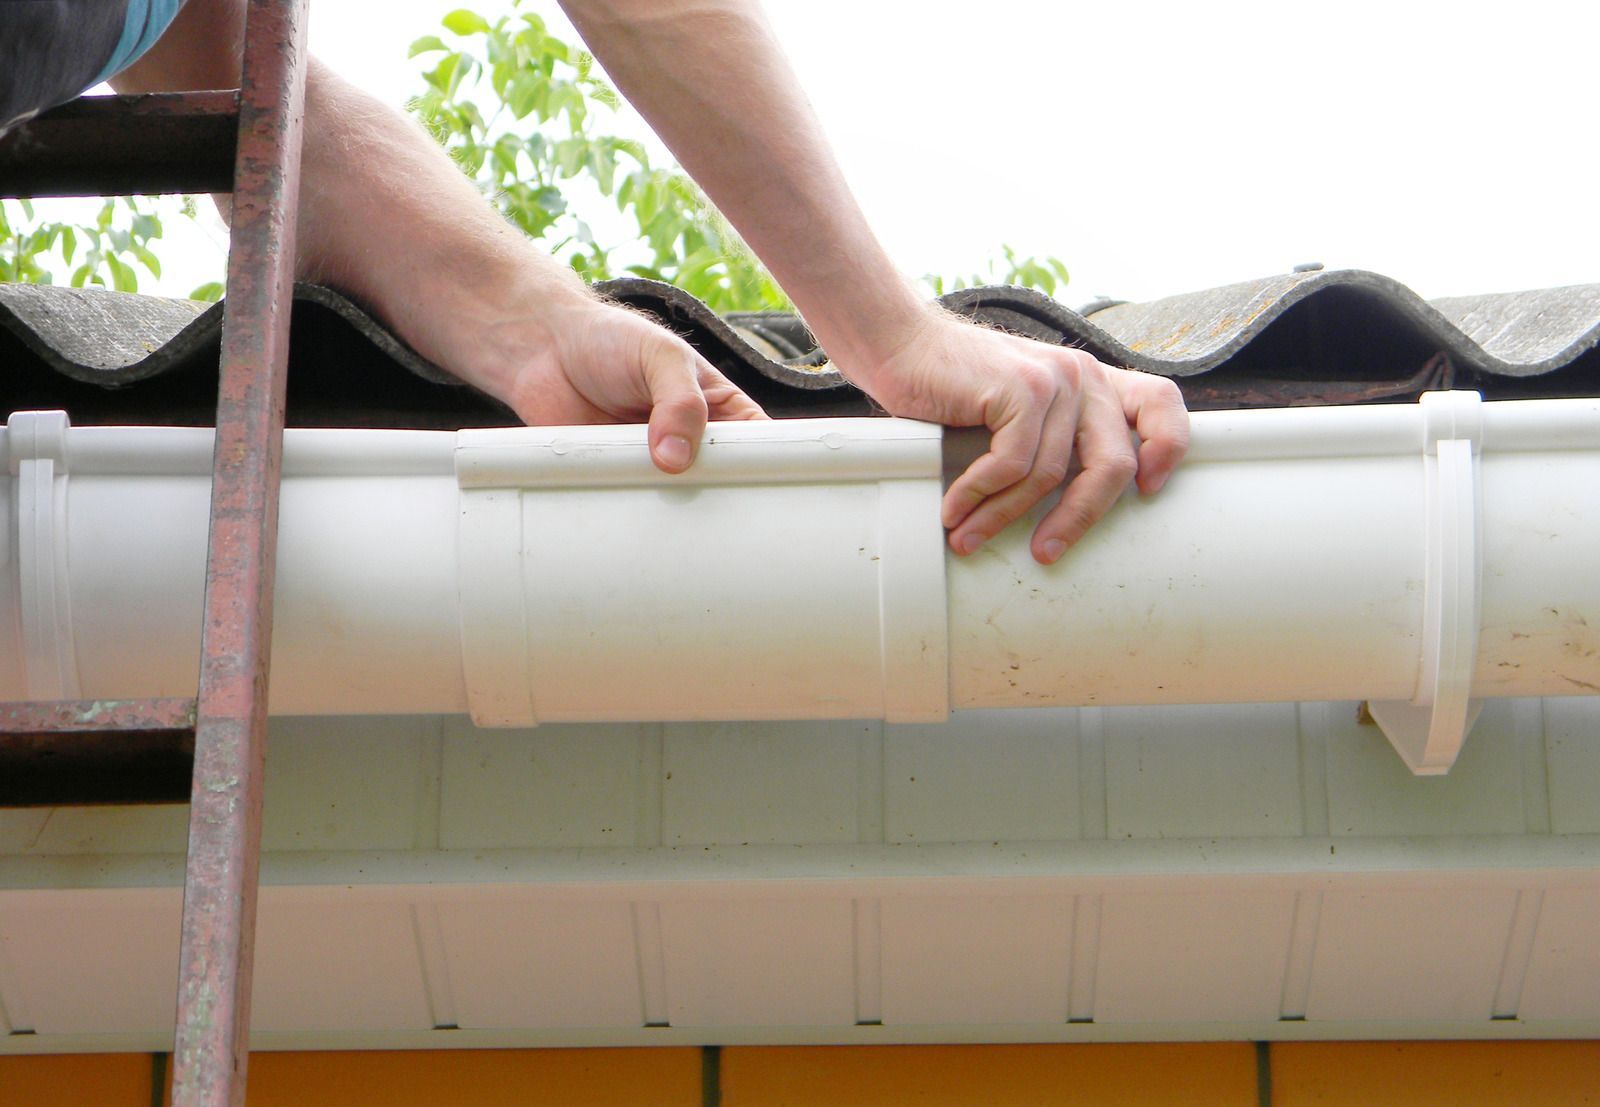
(678, 409)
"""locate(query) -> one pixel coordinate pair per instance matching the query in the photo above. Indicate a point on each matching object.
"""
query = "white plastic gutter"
(1415, 556)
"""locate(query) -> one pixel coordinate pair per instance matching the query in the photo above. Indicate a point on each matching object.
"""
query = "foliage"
(525, 115)
(538, 147)
(105, 251)
(1046, 274)
(542, 150)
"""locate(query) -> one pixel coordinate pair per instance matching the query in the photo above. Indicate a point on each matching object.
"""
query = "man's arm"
(711, 79)
(387, 217)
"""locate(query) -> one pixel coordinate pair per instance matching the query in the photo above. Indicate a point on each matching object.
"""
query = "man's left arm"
(388, 218)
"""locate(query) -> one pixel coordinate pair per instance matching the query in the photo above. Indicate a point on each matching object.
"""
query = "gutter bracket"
(1428, 731)
(36, 451)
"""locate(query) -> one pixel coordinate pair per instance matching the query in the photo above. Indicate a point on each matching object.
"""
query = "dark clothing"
(52, 50)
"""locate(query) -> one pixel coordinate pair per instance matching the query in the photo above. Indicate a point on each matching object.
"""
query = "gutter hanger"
(1416, 556)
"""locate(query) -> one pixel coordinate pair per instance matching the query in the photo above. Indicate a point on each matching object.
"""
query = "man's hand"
(594, 362)
(710, 77)
(1043, 404)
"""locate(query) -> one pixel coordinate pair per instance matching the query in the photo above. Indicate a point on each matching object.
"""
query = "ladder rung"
(122, 145)
(79, 752)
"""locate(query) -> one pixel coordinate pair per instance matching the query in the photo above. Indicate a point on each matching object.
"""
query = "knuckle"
(1121, 468)
(1166, 391)
(691, 403)
(1081, 368)
(1037, 382)
(1075, 521)
(1048, 473)
(1008, 471)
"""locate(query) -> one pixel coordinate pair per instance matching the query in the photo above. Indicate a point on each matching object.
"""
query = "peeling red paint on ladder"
(210, 1056)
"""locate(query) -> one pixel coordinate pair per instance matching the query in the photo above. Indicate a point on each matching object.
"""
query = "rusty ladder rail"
(170, 142)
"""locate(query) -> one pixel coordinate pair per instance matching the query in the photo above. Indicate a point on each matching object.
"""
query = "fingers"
(685, 390)
(1017, 420)
(1077, 404)
(1048, 469)
(678, 409)
(1154, 407)
(726, 399)
(1109, 463)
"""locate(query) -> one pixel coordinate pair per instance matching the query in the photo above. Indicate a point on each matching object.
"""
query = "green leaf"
(427, 44)
(525, 92)
(444, 75)
(570, 153)
(211, 292)
(465, 22)
(550, 200)
(148, 260)
(69, 244)
(122, 274)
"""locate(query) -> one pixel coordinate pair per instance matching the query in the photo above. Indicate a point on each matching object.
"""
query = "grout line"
(869, 961)
(1303, 930)
(1263, 1074)
(159, 1063)
(650, 960)
(1518, 953)
(711, 1076)
(1093, 817)
(1085, 959)
(435, 967)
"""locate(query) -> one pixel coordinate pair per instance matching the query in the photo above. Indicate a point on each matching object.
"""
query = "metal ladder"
(179, 142)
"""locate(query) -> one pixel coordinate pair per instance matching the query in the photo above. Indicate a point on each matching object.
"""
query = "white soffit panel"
(1226, 774)
(559, 785)
(762, 783)
(92, 972)
(1410, 954)
(325, 966)
(768, 962)
(1563, 979)
(542, 964)
(1023, 788)
(978, 959)
(1194, 957)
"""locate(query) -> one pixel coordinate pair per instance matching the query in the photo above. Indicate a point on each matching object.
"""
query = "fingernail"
(971, 542)
(673, 451)
(1053, 550)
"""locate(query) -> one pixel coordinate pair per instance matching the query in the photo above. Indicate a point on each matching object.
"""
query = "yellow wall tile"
(478, 1078)
(1213, 1075)
(76, 1079)
(1435, 1074)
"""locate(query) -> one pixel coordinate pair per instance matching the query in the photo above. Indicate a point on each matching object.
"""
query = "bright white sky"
(1160, 147)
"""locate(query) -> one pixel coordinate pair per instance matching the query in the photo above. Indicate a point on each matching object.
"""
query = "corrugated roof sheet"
(1316, 337)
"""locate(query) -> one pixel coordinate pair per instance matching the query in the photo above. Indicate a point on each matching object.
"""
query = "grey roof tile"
(1312, 337)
